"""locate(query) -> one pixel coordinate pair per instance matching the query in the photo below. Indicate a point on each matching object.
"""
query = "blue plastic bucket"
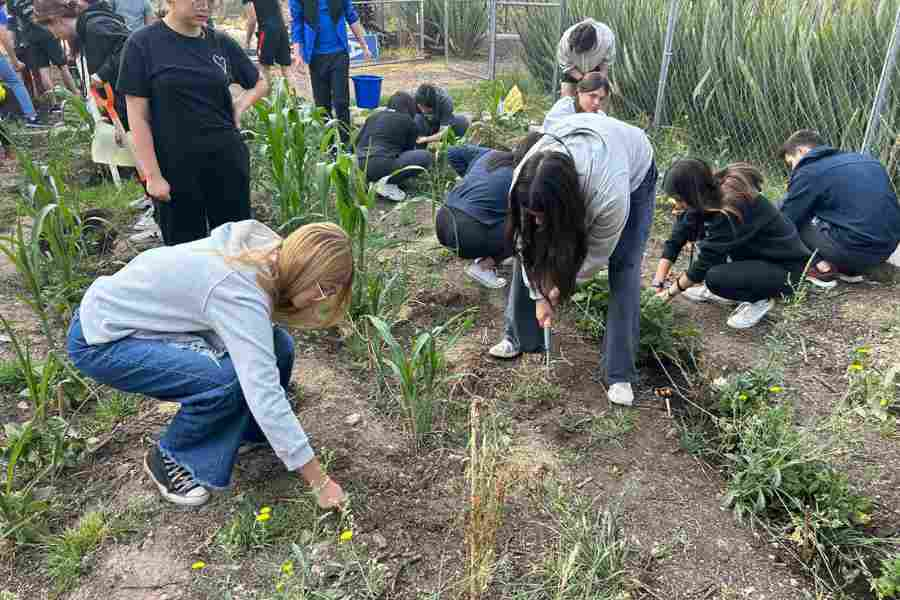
(367, 89)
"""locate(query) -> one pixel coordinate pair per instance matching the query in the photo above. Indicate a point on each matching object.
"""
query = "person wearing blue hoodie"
(843, 205)
(319, 36)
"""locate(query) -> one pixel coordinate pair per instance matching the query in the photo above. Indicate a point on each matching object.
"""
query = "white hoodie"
(190, 293)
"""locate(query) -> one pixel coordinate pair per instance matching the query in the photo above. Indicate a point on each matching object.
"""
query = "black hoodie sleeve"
(687, 228)
(799, 205)
(105, 36)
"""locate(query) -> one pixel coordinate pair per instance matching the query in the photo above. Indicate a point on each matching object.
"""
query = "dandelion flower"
(263, 517)
(776, 389)
(288, 568)
(197, 566)
(346, 536)
(855, 368)
(265, 510)
(279, 587)
(863, 350)
(742, 397)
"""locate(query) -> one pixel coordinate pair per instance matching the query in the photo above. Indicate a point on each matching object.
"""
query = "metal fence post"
(887, 74)
(492, 39)
(664, 66)
(563, 18)
(447, 33)
(421, 49)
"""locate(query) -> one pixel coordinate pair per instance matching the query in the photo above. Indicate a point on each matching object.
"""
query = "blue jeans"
(14, 82)
(623, 321)
(462, 157)
(213, 420)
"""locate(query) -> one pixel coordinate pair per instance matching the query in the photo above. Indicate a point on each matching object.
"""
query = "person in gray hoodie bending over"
(192, 324)
(581, 200)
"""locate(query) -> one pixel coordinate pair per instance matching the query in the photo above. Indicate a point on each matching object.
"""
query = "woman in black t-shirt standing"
(175, 76)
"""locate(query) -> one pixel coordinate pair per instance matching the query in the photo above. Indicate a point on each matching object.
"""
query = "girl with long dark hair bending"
(749, 252)
(581, 200)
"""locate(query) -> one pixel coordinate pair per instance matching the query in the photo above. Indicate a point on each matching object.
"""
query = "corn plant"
(418, 371)
(295, 139)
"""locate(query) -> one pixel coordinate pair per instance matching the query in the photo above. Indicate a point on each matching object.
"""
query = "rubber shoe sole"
(179, 499)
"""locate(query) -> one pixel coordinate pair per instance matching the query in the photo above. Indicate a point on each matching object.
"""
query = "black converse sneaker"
(174, 481)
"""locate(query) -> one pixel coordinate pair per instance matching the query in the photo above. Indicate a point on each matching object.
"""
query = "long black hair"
(498, 159)
(546, 221)
(693, 182)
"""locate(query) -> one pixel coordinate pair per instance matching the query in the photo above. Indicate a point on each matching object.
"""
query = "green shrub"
(887, 585)
(659, 331)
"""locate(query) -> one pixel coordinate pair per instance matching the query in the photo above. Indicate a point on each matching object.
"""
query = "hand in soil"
(331, 495)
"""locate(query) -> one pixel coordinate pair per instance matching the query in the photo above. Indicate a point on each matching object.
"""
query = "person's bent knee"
(443, 228)
(422, 158)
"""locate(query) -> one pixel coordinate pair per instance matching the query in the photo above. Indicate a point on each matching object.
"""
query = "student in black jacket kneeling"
(843, 206)
(732, 220)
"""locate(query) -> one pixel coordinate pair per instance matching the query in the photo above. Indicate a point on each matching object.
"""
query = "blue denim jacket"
(305, 35)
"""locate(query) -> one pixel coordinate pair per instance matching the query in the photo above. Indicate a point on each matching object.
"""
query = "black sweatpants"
(208, 189)
(817, 236)
(329, 75)
(470, 238)
(380, 166)
(753, 280)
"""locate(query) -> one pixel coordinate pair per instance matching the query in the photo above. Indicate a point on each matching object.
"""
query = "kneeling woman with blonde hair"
(192, 324)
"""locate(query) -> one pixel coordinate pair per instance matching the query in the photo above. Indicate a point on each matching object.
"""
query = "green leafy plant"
(873, 391)
(66, 553)
(417, 372)
(661, 335)
(887, 585)
(294, 139)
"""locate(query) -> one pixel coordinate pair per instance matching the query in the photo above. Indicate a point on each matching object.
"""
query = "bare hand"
(421, 141)
(297, 59)
(96, 81)
(119, 136)
(158, 188)
(331, 495)
(543, 312)
(553, 296)
(18, 65)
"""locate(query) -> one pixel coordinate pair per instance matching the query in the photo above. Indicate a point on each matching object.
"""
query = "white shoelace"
(179, 477)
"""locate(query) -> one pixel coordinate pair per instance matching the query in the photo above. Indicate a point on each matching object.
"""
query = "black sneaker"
(174, 481)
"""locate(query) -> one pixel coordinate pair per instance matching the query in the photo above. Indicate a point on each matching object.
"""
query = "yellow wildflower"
(863, 350)
(288, 568)
(265, 510)
(346, 536)
(742, 397)
(855, 368)
(263, 517)
(776, 389)
(279, 587)
(198, 565)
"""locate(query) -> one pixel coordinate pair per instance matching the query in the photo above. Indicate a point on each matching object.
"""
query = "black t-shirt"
(387, 133)
(186, 80)
(268, 12)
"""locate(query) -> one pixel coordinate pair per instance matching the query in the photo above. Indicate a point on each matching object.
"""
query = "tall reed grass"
(744, 75)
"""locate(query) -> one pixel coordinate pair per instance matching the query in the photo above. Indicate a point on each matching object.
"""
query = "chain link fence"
(739, 76)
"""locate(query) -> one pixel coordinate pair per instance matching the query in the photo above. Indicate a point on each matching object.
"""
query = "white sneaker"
(621, 394)
(390, 191)
(486, 277)
(505, 349)
(145, 221)
(748, 314)
(701, 293)
(850, 278)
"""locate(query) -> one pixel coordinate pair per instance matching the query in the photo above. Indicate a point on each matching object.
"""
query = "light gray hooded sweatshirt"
(189, 294)
(612, 158)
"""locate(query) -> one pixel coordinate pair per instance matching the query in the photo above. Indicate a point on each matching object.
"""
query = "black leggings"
(752, 280)
(208, 189)
(380, 166)
(470, 238)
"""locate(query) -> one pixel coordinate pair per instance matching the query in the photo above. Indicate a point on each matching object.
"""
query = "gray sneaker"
(748, 314)
(390, 191)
